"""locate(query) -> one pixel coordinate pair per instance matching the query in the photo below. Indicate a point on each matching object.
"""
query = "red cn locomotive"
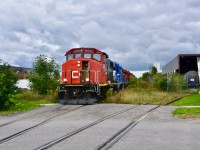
(83, 76)
(86, 76)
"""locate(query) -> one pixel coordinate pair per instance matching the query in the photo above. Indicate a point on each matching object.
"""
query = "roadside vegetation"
(189, 107)
(44, 83)
(186, 113)
(27, 100)
(143, 96)
(24, 105)
(151, 88)
(8, 79)
(191, 100)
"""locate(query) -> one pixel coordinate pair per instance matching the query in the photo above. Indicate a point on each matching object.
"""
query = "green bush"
(133, 81)
(152, 81)
(8, 79)
(160, 82)
(143, 84)
(146, 76)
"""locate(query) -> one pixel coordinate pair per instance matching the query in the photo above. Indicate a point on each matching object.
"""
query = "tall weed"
(141, 96)
(30, 95)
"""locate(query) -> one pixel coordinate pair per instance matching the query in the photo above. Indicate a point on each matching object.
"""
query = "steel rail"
(60, 139)
(28, 116)
(115, 138)
(111, 141)
(35, 126)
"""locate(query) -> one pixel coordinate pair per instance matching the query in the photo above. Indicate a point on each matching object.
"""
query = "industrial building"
(21, 72)
(187, 65)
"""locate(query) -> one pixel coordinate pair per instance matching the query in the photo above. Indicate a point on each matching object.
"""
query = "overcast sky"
(134, 33)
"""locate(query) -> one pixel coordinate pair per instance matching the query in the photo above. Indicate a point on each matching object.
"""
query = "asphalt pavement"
(159, 130)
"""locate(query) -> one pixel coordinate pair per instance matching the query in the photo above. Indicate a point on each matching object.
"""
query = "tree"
(160, 82)
(146, 76)
(133, 81)
(8, 79)
(46, 75)
(153, 70)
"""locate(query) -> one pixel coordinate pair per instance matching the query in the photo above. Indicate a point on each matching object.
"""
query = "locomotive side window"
(69, 56)
(97, 57)
(78, 55)
(87, 55)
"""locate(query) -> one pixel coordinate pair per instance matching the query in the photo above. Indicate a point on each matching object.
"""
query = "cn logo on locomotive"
(75, 74)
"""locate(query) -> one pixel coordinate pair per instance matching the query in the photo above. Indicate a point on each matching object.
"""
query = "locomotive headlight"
(87, 79)
(65, 80)
(78, 65)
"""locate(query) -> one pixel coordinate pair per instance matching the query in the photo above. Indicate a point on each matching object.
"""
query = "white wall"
(23, 83)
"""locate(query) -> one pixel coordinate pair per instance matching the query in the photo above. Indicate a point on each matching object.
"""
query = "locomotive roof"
(85, 48)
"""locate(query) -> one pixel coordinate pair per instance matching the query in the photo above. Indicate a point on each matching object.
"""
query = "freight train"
(87, 74)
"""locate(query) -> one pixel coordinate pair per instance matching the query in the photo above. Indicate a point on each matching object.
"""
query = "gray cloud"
(133, 33)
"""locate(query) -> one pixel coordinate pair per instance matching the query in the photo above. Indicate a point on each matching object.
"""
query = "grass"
(30, 95)
(24, 105)
(191, 100)
(187, 112)
(28, 100)
(134, 96)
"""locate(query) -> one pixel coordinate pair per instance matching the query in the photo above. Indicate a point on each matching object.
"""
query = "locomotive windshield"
(78, 55)
(87, 53)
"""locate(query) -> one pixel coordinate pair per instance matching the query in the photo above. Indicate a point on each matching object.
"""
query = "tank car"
(87, 74)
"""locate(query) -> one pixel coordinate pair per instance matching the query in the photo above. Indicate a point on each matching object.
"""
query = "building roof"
(181, 63)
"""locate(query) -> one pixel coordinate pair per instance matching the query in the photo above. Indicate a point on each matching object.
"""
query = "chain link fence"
(177, 82)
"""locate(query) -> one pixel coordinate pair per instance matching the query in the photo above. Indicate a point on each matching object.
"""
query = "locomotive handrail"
(95, 75)
(98, 72)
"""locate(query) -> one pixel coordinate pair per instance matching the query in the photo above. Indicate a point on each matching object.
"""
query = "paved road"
(159, 130)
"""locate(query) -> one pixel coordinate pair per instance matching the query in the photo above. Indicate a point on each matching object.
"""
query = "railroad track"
(111, 141)
(106, 145)
(35, 126)
(29, 116)
(68, 135)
